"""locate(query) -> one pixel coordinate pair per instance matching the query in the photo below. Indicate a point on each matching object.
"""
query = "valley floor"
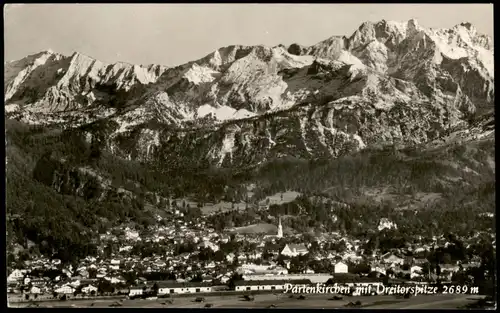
(440, 301)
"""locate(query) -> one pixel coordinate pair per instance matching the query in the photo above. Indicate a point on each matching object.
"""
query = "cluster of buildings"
(259, 266)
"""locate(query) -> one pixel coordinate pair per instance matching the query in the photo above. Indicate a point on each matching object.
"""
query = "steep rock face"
(413, 53)
(65, 180)
(352, 113)
(389, 82)
(50, 82)
(83, 181)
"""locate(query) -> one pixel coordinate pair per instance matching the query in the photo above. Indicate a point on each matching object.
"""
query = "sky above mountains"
(172, 34)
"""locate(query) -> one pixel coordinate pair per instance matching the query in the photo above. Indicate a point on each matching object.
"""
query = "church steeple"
(280, 229)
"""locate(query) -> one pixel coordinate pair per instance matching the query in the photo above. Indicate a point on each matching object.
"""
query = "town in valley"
(183, 256)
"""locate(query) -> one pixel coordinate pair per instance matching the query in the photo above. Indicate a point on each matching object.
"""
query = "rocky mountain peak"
(467, 25)
(340, 94)
(413, 24)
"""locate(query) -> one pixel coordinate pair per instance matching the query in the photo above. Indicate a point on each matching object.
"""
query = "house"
(378, 269)
(207, 244)
(415, 271)
(294, 250)
(470, 265)
(341, 267)
(84, 273)
(174, 287)
(89, 289)
(255, 255)
(385, 223)
(376, 274)
(135, 291)
(391, 258)
(65, 289)
(38, 282)
(132, 235)
(114, 280)
(125, 248)
(420, 249)
(224, 279)
(207, 278)
(259, 285)
(35, 290)
(88, 281)
(210, 265)
(420, 261)
(15, 276)
(452, 268)
(230, 257)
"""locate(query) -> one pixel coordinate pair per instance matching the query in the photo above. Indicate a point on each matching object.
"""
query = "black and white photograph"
(252, 155)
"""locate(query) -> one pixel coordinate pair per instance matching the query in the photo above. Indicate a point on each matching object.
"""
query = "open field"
(222, 207)
(256, 229)
(440, 301)
(210, 208)
(277, 198)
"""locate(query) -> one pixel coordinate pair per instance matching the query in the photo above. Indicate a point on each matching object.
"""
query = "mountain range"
(394, 85)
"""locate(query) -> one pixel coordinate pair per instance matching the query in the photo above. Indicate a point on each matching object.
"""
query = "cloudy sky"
(172, 34)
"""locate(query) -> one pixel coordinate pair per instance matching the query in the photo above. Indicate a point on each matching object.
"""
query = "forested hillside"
(61, 189)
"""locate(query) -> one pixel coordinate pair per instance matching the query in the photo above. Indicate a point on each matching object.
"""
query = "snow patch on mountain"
(200, 74)
(130, 119)
(287, 60)
(223, 113)
(227, 147)
(361, 144)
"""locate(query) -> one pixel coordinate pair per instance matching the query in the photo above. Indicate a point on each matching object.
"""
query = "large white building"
(341, 267)
(261, 269)
(265, 285)
(182, 288)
